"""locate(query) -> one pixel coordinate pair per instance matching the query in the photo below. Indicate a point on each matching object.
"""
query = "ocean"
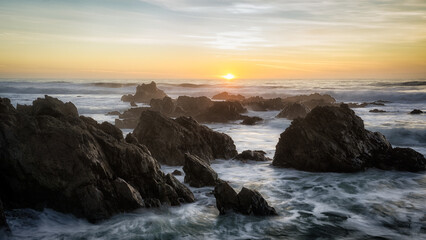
(374, 204)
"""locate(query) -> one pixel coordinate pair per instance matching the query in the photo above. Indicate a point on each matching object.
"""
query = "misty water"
(374, 204)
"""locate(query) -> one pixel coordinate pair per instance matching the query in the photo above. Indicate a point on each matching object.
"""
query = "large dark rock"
(402, 159)
(416, 111)
(252, 155)
(222, 112)
(3, 223)
(50, 157)
(260, 104)
(228, 97)
(144, 93)
(333, 139)
(311, 101)
(246, 202)
(198, 173)
(164, 106)
(192, 106)
(294, 110)
(169, 139)
(130, 117)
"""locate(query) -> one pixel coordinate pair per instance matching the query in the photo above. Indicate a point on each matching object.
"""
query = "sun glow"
(229, 76)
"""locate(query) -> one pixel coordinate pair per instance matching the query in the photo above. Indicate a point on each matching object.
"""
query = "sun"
(229, 76)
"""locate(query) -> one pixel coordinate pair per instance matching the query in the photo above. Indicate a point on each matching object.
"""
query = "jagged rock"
(144, 94)
(377, 111)
(260, 104)
(3, 222)
(252, 155)
(164, 106)
(177, 173)
(114, 113)
(226, 197)
(251, 202)
(192, 106)
(402, 159)
(293, 110)
(228, 97)
(246, 202)
(133, 104)
(333, 139)
(50, 157)
(169, 139)
(222, 112)
(251, 120)
(416, 111)
(198, 173)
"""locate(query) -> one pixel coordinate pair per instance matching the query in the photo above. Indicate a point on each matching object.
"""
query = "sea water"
(371, 204)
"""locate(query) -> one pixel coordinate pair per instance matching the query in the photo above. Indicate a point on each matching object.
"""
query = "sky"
(206, 39)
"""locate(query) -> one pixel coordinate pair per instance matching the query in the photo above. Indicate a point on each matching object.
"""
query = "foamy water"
(385, 204)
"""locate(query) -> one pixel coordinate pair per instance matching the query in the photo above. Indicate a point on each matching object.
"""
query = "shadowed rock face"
(169, 139)
(293, 110)
(198, 173)
(334, 139)
(3, 223)
(144, 94)
(246, 202)
(50, 157)
(252, 155)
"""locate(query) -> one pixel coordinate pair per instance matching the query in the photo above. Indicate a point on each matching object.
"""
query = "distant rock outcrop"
(198, 173)
(228, 97)
(51, 157)
(165, 106)
(416, 111)
(251, 120)
(169, 139)
(260, 104)
(252, 155)
(377, 111)
(294, 110)
(311, 101)
(222, 112)
(246, 202)
(192, 106)
(144, 93)
(130, 117)
(333, 139)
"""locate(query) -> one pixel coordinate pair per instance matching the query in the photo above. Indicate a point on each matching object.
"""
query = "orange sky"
(165, 39)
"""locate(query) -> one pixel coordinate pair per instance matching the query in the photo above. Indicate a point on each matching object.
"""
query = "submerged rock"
(293, 110)
(333, 139)
(377, 111)
(198, 173)
(246, 202)
(52, 158)
(228, 97)
(252, 155)
(144, 93)
(222, 112)
(169, 139)
(416, 111)
(251, 120)
(177, 173)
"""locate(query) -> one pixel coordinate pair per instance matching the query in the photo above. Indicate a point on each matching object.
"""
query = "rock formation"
(228, 97)
(51, 157)
(198, 173)
(164, 106)
(144, 94)
(252, 155)
(246, 202)
(192, 106)
(222, 112)
(416, 111)
(260, 104)
(377, 111)
(294, 110)
(334, 139)
(251, 120)
(169, 139)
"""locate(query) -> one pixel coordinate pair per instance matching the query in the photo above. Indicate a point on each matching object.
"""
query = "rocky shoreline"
(51, 157)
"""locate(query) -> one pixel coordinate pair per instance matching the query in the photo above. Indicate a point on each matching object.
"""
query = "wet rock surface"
(247, 201)
(251, 120)
(198, 173)
(144, 94)
(51, 157)
(169, 139)
(334, 139)
(253, 156)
